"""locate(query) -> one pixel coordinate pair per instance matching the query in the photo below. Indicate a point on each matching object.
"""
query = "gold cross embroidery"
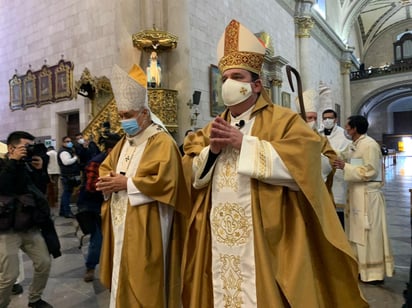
(243, 90)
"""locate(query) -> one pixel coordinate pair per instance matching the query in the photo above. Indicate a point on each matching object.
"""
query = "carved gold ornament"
(154, 39)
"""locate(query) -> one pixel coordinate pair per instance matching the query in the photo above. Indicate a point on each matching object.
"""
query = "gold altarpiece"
(104, 116)
(162, 102)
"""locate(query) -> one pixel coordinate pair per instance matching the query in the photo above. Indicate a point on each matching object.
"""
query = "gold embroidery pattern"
(227, 175)
(197, 162)
(118, 209)
(232, 37)
(241, 59)
(230, 224)
(232, 280)
(263, 164)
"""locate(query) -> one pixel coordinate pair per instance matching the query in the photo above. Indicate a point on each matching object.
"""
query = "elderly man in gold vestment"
(143, 217)
(263, 230)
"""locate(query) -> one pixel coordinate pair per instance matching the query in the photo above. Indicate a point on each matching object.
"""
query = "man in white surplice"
(365, 221)
(339, 142)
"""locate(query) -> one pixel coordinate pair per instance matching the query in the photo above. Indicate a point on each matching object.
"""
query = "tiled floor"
(66, 287)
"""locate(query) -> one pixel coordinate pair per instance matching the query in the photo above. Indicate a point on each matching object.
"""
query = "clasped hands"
(339, 163)
(223, 134)
(114, 182)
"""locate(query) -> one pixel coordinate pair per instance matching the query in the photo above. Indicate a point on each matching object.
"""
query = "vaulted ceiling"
(379, 15)
(374, 17)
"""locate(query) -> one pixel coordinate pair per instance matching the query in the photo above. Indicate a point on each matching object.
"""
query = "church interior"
(57, 58)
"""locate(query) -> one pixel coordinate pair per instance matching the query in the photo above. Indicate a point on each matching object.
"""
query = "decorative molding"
(34, 89)
(16, 93)
(89, 82)
(29, 90)
(277, 83)
(45, 85)
(163, 103)
(63, 80)
(305, 25)
(345, 67)
(154, 39)
(273, 70)
(108, 114)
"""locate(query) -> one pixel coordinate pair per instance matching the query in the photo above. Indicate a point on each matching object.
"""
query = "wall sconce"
(194, 101)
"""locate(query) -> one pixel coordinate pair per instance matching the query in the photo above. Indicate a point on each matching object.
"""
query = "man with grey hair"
(143, 184)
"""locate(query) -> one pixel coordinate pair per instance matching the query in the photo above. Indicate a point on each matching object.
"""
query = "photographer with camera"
(69, 173)
(24, 213)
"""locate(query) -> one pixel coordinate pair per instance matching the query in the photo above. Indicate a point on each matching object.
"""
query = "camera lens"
(30, 148)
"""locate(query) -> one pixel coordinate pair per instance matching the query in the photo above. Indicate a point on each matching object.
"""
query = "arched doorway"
(389, 113)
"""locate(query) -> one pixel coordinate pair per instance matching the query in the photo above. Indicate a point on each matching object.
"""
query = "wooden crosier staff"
(289, 71)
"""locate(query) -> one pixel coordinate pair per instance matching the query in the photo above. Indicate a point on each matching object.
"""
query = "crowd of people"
(243, 214)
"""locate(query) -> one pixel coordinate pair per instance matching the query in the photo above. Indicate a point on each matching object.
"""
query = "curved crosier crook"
(289, 71)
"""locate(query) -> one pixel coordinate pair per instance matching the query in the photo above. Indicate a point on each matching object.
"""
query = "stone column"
(347, 108)
(272, 73)
(346, 65)
(304, 26)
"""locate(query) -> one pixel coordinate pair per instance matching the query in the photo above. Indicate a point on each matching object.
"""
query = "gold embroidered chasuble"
(302, 257)
(141, 278)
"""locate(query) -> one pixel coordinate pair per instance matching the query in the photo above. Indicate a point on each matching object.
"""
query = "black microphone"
(240, 124)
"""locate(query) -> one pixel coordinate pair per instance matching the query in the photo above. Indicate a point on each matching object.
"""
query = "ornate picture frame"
(286, 99)
(48, 85)
(45, 85)
(29, 90)
(16, 96)
(215, 86)
(63, 80)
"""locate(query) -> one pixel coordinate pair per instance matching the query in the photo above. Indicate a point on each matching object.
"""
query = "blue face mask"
(69, 145)
(130, 126)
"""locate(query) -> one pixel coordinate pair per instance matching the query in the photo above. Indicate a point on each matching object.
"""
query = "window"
(403, 47)
(320, 6)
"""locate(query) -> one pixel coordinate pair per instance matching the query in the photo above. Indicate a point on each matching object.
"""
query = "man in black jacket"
(70, 174)
(22, 215)
(85, 150)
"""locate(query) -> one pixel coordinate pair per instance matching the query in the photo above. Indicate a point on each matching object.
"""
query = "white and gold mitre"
(240, 48)
(310, 101)
(129, 90)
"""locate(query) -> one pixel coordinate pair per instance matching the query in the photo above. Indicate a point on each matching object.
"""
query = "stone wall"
(208, 21)
(97, 34)
(34, 31)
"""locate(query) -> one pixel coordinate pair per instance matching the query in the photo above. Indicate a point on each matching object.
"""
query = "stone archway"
(380, 106)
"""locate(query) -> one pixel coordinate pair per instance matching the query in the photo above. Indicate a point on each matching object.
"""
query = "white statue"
(154, 71)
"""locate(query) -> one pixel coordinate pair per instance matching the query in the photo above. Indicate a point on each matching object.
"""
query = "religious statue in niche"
(154, 72)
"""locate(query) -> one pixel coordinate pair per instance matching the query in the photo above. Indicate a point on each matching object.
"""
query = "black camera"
(37, 149)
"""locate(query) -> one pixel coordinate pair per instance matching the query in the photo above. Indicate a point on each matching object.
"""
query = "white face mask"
(80, 141)
(312, 125)
(349, 137)
(235, 92)
(329, 123)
